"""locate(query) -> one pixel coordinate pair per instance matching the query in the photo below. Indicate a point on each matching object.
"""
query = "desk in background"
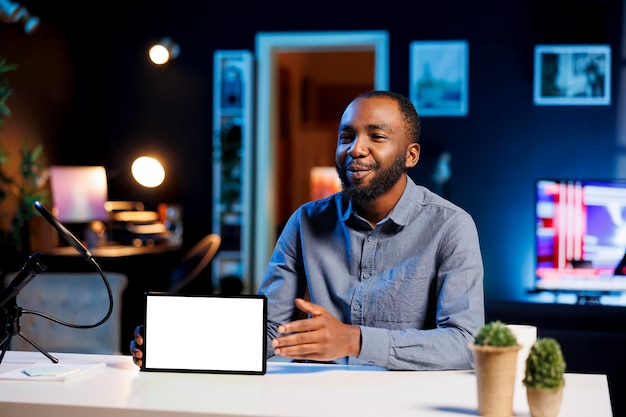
(115, 251)
(288, 389)
(148, 268)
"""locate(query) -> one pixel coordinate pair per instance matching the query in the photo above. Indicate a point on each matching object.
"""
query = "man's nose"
(357, 148)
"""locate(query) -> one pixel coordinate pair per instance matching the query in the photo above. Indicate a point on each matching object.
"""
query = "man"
(392, 270)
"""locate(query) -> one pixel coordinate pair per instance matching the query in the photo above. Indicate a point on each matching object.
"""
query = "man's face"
(371, 153)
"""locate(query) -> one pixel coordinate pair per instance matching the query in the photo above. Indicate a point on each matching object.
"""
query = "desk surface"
(288, 389)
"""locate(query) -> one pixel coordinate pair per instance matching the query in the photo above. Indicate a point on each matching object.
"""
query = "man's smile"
(355, 171)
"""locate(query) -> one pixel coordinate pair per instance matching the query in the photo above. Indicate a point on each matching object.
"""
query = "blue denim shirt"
(413, 284)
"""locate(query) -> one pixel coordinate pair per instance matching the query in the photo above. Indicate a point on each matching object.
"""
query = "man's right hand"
(135, 346)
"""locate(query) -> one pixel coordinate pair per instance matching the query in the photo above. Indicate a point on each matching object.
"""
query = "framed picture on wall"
(572, 75)
(438, 78)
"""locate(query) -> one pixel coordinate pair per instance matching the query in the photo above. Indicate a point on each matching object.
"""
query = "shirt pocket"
(400, 298)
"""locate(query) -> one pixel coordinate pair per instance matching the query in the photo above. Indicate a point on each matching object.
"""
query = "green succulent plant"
(545, 365)
(495, 333)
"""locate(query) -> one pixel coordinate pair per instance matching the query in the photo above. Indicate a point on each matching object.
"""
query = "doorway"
(286, 81)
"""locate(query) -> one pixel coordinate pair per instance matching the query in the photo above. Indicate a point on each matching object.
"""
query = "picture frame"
(572, 75)
(439, 77)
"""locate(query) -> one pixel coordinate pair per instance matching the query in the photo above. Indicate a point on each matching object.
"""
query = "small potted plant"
(495, 350)
(544, 378)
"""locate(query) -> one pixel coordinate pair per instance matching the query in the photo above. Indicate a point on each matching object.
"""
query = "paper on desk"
(52, 372)
(49, 370)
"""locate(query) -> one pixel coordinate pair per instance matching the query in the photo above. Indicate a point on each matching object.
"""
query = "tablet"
(205, 333)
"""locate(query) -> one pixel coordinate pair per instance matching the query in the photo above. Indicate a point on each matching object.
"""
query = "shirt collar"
(399, 213)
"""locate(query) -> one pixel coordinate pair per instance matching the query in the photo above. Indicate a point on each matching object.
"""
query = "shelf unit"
(232, 142)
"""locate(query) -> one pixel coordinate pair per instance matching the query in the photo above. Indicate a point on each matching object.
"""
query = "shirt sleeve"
(283, 281)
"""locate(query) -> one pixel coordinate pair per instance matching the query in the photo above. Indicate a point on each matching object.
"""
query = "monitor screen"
(580, 234)
(79, 193)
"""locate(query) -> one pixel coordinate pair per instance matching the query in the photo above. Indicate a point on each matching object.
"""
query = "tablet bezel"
(182, 350)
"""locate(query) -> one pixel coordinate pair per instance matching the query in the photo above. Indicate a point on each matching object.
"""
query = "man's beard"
(383, 180)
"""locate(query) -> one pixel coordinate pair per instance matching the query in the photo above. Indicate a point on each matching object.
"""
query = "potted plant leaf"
(544, 377)
(495, 350)
(5, 90)
(18, 191)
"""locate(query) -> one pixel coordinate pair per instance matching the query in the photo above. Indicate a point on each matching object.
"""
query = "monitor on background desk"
(79, 195)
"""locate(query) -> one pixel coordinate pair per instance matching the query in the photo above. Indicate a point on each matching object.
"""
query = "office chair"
(194, 263)
(75, 297)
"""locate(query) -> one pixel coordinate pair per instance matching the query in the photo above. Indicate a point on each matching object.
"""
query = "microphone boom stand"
(10, 315)
(12, 312)
(13, 328)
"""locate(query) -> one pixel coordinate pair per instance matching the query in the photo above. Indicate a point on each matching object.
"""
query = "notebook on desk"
(205, 333)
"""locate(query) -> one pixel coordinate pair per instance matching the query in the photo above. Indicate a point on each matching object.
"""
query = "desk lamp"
(143, 225)
(148, 171)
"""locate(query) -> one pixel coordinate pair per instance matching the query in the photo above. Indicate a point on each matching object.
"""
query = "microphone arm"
(9, 316)
(84, 252)
(62, 230)
(33, 267)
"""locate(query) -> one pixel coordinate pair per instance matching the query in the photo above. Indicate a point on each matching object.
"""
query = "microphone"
(30, 270)
(66, 234)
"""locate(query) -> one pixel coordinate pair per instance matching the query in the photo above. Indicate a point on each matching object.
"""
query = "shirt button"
(356, 307)
(366, 275)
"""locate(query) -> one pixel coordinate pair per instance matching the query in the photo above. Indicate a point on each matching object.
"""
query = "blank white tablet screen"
(205, 333)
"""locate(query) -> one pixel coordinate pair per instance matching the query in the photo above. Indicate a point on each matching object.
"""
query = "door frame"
(262, 233)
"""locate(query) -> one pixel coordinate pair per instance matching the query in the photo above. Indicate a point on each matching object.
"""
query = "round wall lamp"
(148, 171)
(164, 51)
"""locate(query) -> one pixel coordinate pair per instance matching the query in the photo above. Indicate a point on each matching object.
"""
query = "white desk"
(287, 389)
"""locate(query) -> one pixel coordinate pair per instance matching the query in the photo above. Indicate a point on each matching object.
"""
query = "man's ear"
(412, 155)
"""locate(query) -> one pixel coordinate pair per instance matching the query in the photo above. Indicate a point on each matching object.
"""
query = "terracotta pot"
(495, 376)
(544, 402)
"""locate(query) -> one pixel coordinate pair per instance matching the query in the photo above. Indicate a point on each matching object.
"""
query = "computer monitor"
(580, 235)
(79, 193)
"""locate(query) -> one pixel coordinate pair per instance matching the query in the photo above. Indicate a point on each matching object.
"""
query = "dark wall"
(116, 105)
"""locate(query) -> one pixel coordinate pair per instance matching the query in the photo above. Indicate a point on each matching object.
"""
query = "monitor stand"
(588, 299)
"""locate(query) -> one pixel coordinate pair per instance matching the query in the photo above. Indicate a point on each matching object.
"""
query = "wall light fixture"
(164, 51)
